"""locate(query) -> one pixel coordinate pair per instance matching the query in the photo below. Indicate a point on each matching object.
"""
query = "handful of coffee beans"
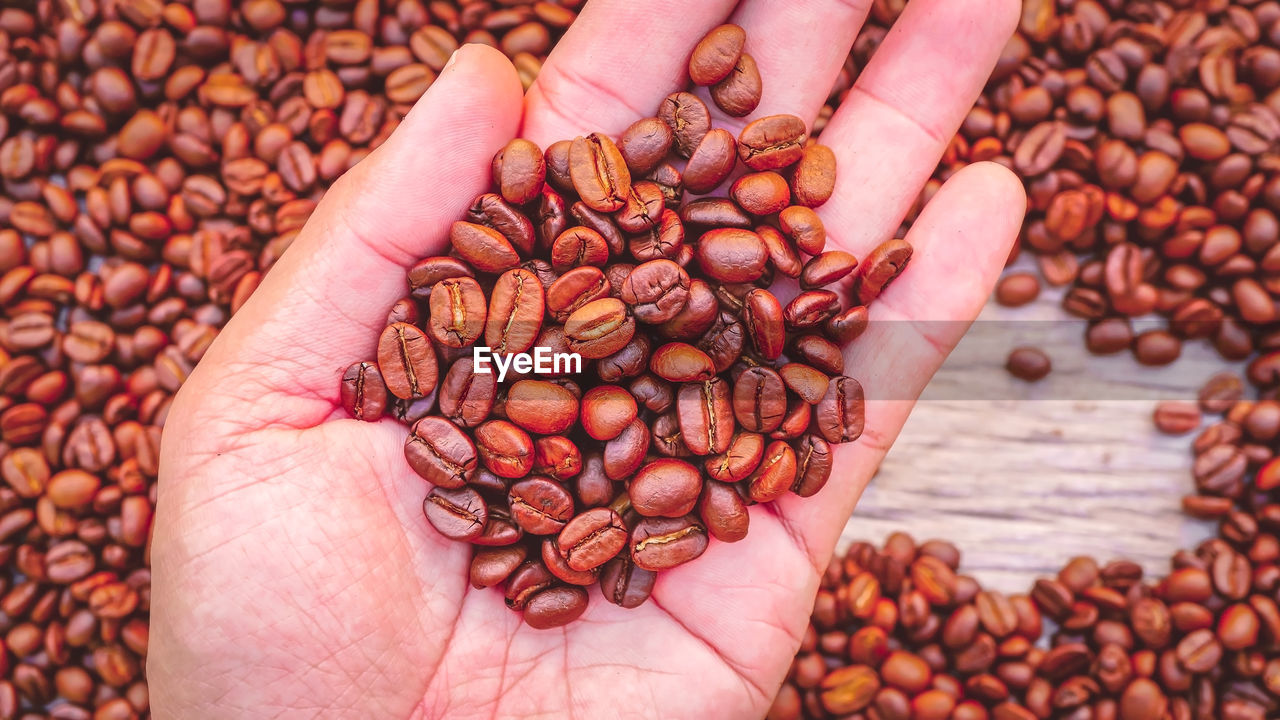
(598, 377)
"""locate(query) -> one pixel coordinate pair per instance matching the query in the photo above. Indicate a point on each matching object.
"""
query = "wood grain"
(1023, 476)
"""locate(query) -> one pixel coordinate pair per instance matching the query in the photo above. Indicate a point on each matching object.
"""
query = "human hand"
(293, 573)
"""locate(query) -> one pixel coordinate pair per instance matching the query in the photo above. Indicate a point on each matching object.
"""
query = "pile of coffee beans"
(155, 160)
(695, 392)
(897, 633)
(1146, 134)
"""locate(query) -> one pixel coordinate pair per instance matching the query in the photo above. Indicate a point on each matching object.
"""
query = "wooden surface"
(1024, 476)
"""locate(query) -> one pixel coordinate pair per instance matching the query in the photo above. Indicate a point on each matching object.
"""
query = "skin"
(294, 575)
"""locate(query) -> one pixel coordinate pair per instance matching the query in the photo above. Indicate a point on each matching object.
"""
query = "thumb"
(322, 304)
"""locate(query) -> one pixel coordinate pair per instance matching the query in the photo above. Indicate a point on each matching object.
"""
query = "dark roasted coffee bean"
(483, 247)
(839, 414)
(490, 566)
(599, 173)
(466, 397)
(458, 312)
(607, 410)
(759, 399)
(441, 453)
(814, 179)
(515, 312)
(1028, 363)
(705, 413)
(458, 514)
(364, 394)
(738, 93)
(723, 512)
(732, 255)
(519, 171)
(688, 118)
(540, 506)
(505, 449)
(813, 465)
(656, 290)
(624, 583)
(716, 54)
(644, 145)
(667, 487)
(880, 268)
(407, 361)
(775, 474)
(772, 142)
(599, 328)
(711, 162)
(592, 538)
(659, 543)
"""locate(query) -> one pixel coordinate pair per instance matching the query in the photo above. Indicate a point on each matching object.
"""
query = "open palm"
(294, 574)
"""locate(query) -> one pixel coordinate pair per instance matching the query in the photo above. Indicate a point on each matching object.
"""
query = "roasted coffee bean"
(839, 414)
(505, 449)
(458, 312)
(814, 179)
(656, 291)
(761, 193)
(772, 142)
(813, 465)
(490, 566)
(364, 394)
(1028, 363)
(705, 413)
(467, 397)
(697, 315)
(759, 399)
(599, 328)
(576, 288)
(540, 506)
(716, 54)
(659, 543)
(483, 247)
(607, 410)
(826, 269)
(667, 487)
(732, 255)
(592, 538)
(624, 453)
(541, 406)
(738, 93)
(519, 171)
(645, 144)
(804, 228)
(711, 162)
(599, 173)
(624, 583)
(426, 273)
(880, 268)
(775, 474)
(440, 452)
(458, 514)
(515, 312)
(407, 361)
(723, 512)
(810, 309)
(680, 362)
(688, 118)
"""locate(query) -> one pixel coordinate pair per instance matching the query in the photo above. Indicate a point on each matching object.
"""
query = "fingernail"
(452, 59)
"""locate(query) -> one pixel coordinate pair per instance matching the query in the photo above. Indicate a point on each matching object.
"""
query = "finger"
(961, 241)
(328, 296)
(799, 49)
(907, 104)
(615, 64)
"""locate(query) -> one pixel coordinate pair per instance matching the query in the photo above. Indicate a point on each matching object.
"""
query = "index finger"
(615, 64)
